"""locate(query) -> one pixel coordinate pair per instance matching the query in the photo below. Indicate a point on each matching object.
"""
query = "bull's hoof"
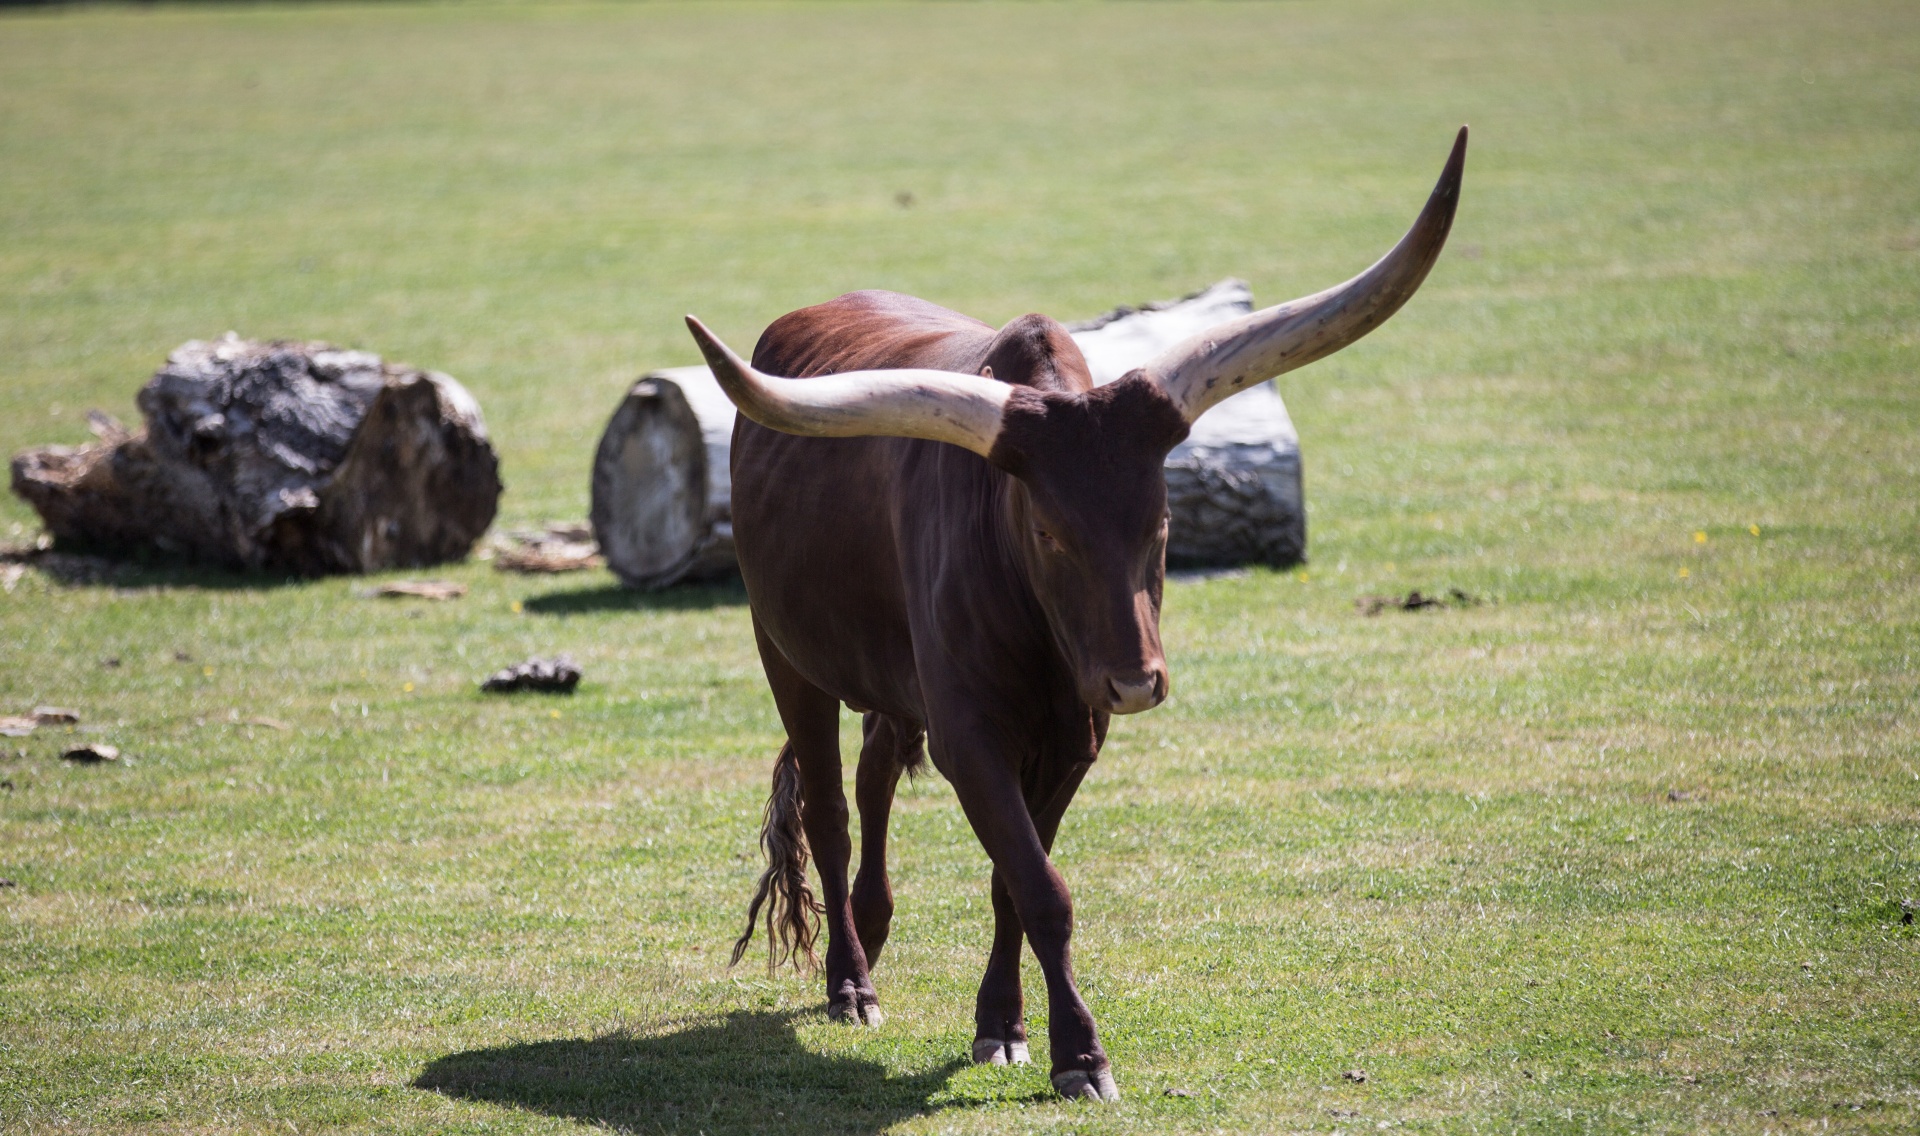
(855, 1014)
(1076, 1084)
(993, 1051)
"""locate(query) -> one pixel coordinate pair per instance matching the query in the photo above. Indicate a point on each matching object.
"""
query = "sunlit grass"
(1621, 849)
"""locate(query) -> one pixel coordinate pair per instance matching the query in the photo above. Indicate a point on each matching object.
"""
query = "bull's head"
(1091, 513)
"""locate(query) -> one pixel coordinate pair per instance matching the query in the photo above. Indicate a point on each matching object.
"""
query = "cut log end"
(649, 511)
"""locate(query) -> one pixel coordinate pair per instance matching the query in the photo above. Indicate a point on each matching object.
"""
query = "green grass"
(1622, 850)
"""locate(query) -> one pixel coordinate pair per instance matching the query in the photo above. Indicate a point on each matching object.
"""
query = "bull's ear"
(1221, 361)
(942, 406)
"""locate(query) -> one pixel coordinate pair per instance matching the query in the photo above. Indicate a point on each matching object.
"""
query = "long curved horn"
(1227, 359)
(942, 406)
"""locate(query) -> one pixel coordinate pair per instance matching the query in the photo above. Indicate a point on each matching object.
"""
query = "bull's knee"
(1048, 923)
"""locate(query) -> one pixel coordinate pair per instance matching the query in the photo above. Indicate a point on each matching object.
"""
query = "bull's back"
(813, 517)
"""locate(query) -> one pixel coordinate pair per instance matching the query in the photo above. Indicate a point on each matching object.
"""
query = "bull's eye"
(1048, 541)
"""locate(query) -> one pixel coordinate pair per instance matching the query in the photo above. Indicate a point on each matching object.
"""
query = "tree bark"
(282, 456)
(662, 496)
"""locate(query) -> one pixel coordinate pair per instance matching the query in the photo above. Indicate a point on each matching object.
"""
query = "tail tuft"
(792, 914)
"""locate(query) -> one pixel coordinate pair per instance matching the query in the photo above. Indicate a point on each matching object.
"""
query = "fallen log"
(282, 456)
(661, 492)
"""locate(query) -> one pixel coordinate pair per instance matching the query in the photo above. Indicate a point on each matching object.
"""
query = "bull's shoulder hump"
(896, 305)
(869, 330)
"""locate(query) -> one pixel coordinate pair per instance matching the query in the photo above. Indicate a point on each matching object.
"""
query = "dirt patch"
(418, 589)
(1416, 601)
(559, 547)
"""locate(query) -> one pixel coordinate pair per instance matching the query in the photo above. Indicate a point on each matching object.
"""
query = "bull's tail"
(792, 914)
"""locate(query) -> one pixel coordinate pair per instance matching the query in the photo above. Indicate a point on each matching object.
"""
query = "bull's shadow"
(745, 1073)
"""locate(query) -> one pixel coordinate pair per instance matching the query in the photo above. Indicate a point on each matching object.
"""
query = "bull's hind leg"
(812, 719)
(890, 747)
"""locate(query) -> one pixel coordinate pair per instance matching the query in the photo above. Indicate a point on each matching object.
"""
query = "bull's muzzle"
(1132, 693)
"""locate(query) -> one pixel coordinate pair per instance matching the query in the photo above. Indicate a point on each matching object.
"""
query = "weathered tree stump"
(662, 509)
(284, 456)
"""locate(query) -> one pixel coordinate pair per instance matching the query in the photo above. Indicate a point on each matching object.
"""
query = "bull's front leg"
(999, 1013)
(1000, 1036)
(1013, 836)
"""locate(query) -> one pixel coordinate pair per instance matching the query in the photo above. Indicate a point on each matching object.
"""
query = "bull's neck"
(1008, 547)
(966, 571)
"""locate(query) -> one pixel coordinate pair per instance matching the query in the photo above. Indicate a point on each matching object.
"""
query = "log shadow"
(139, 569)
(613, 597)
(744, 1073)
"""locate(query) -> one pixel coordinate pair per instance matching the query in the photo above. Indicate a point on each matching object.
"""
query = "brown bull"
(955, 533)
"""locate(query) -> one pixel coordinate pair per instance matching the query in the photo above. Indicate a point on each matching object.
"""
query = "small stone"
(6, 883)
(17, 727)
(1357, 1076)
(93, 753)
(1176, 1092)
(557, 675)
(1679, 795)
(55, 716)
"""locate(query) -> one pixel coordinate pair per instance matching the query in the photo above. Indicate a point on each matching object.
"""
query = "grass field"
(1621, 850)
